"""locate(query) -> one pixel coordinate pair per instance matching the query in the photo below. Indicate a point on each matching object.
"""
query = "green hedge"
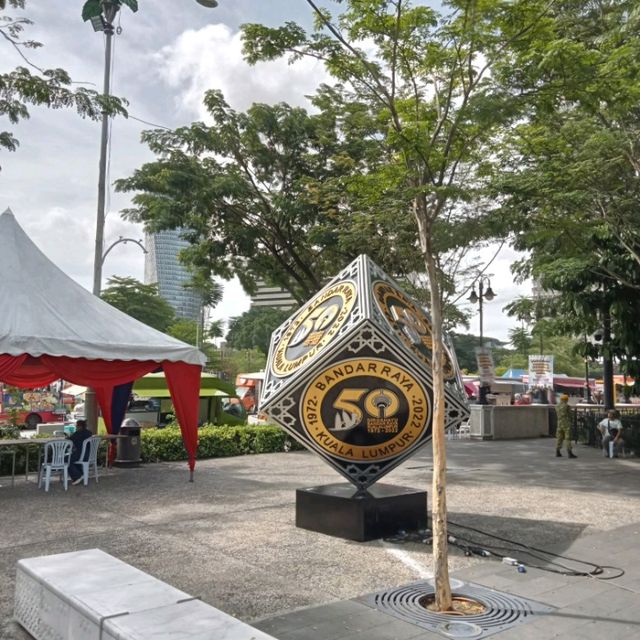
(215, 441)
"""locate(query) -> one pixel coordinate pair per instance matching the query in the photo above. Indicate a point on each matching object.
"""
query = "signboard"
(484, 359)
(541, 372)
(349, 375)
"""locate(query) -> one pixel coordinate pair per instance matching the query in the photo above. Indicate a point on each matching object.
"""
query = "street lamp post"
(607, 362)
(104, 22)
(488, 295)
(90, 400)
(124, 241)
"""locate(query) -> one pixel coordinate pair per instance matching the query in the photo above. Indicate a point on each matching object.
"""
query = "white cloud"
(211, 58)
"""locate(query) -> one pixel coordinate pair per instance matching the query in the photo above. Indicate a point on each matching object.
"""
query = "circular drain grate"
(503, 610)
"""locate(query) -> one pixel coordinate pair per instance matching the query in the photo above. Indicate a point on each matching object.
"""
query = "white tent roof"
(44, 311)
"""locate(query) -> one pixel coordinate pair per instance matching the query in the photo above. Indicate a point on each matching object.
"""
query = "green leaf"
(132, 4)
(91, 9)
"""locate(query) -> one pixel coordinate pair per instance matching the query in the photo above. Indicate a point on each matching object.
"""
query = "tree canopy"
(30, 84)
(570, 180)
(253, 329)
(265, 194)
(433, 85)
(140, 301)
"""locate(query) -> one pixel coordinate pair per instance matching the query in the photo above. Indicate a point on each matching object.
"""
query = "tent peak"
(8, 212)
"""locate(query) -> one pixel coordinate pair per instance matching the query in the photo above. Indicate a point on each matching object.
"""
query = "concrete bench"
(91, 595)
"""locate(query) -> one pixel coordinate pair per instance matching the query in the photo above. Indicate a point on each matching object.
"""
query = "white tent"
(45, 311)
(51, 327)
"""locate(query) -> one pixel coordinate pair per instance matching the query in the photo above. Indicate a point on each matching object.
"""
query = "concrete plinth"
(340, 510)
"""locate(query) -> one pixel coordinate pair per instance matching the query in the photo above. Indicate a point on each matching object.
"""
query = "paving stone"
(609, 630)
(230, 537)
(396, 630)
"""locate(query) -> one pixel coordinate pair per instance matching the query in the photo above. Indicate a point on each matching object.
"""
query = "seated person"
(611, 430)
(81, 434)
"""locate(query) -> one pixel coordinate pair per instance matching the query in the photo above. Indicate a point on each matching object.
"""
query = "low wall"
(509, 422)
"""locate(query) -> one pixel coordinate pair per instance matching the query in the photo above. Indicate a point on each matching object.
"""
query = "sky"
(166, 56)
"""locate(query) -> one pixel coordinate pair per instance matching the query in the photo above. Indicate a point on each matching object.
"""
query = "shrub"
(9, 432)
(214, 441)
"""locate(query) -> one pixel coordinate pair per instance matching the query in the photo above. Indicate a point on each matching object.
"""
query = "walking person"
(563, 432)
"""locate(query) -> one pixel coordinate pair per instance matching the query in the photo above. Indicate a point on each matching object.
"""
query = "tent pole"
(91, 410)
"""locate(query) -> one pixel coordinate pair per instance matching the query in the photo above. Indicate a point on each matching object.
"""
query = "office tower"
(272, 297)
(162, 265)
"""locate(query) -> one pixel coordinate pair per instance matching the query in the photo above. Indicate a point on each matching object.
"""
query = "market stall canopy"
(154, 385)
(44, 311)
(567, 382)
(75, 390)
(515, 373)
(51, 327)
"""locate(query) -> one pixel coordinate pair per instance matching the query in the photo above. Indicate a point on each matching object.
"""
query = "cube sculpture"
(349, 376)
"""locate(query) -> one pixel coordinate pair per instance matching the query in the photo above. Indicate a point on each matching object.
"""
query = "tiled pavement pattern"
(585, 608)
(230, 537)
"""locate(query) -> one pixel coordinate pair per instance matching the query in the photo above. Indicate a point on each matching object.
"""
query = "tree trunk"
(439, 482)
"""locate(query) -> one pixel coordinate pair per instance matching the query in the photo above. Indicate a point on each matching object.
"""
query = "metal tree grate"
(503, 610)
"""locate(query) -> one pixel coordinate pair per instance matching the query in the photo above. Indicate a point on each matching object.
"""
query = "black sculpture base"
(340, 510)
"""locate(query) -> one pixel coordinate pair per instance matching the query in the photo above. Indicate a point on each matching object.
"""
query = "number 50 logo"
(379, 403)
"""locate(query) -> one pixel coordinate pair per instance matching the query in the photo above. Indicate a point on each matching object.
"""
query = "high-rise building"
(162, 265)
(272, 297)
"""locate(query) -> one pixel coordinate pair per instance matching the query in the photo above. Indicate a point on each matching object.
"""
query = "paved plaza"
(230, 538)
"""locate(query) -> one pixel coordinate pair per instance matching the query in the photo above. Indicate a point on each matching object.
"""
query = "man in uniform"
(563, 432)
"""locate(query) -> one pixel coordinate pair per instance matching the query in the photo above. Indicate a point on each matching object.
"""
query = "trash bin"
(128, 454)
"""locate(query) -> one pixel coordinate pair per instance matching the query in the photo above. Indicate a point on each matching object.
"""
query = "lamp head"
(210, 4)
(489, 294)
(473, 298)
(97, 22)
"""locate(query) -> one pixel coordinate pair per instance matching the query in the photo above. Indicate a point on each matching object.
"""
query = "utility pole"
(104, 23)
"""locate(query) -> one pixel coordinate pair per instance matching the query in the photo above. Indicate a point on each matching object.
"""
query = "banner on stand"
(541, 372)
(484, 359)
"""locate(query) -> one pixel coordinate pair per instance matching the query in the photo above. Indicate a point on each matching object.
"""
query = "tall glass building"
(161, 265)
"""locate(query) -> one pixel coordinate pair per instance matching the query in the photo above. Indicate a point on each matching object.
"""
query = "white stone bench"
(90, 595)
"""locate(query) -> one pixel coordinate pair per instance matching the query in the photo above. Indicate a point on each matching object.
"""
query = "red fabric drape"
(28, 372)
(97, 373)
(10, 363)
(103, 394)
(183, 381)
